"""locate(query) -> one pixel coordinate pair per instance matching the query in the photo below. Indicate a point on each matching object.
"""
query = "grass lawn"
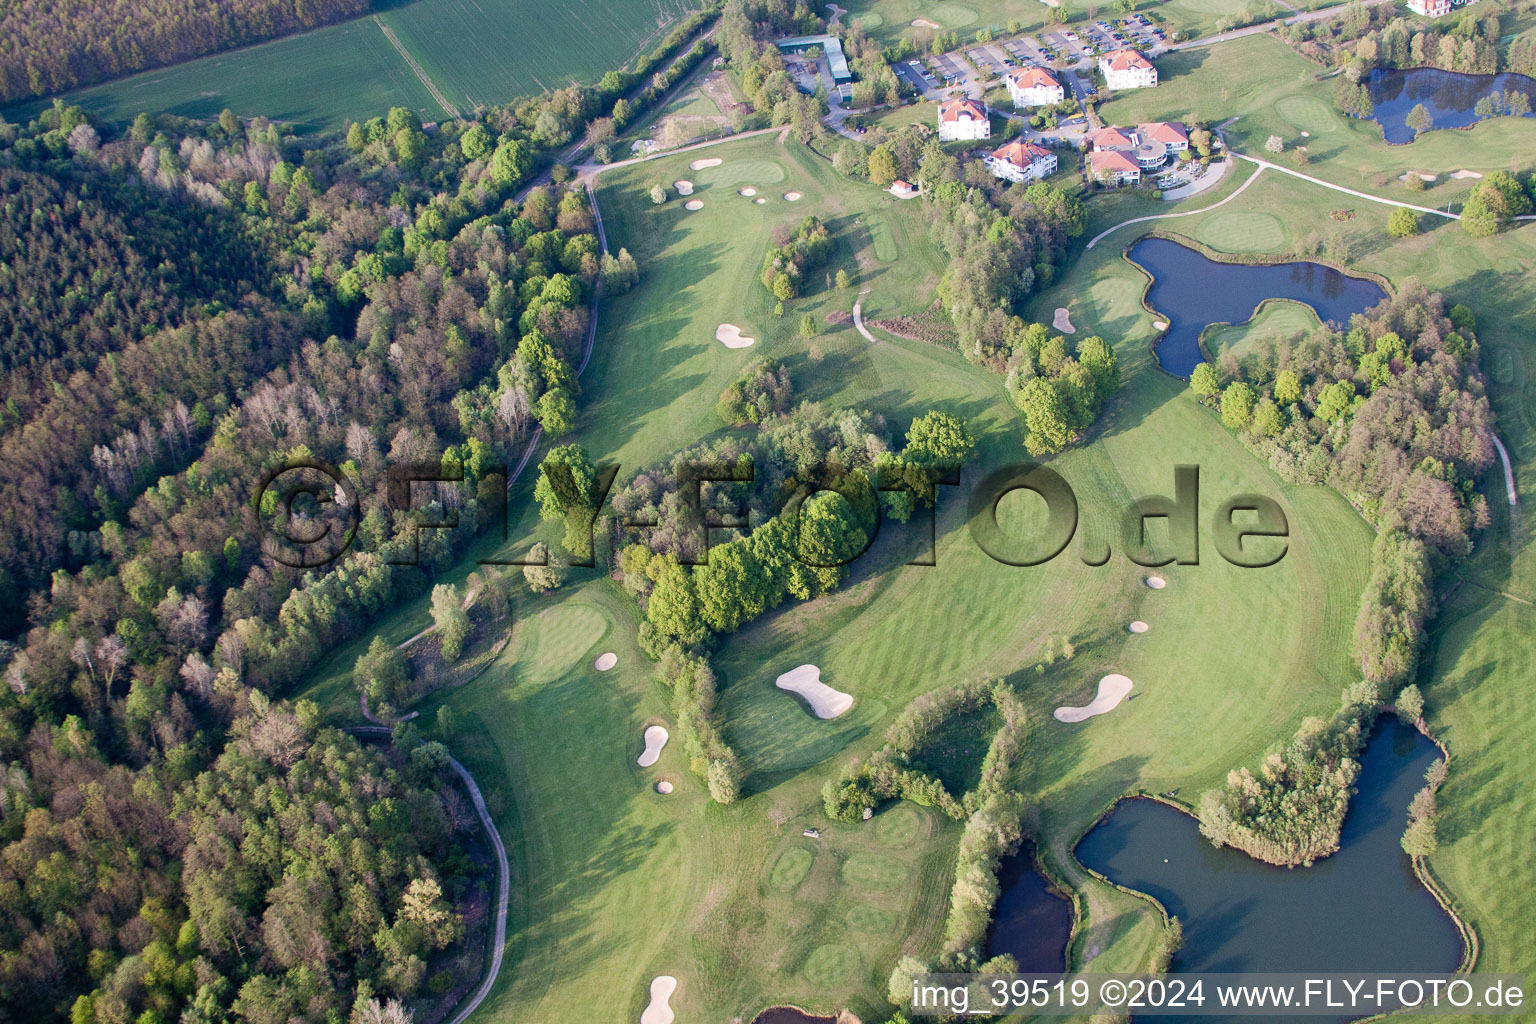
(1480, 646)
(615, 884)
(1272, 90)
(475, 51)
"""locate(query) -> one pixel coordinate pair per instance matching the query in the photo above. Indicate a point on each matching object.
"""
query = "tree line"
(1394, 415)
(46, 49)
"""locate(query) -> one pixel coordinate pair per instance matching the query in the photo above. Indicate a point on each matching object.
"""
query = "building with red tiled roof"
(1034, 87)
(1021, 161)
(963, 118)
(1172, 134)
(1114, 166)
(1127, 69)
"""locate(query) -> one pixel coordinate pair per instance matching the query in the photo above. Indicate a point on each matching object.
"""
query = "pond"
(789, 1015)
(1450, 97)
(1361, 909)
(1192, 291)
(1031, 922)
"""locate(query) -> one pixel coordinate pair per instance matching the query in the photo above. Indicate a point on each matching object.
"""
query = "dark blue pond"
(1192, 292)
(1450, 97)
(1361, 909)
(1031, 922)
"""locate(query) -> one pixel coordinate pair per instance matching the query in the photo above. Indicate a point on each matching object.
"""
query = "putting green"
(953, 15)
(875, 920)
(741, 172)
(1242, 231)
(830, 966)
(870, 20)
(899, 825)
(873, 872)
(1276, 319)
(791, 868)
(566, 632)
(881, 238)
(1308, 113)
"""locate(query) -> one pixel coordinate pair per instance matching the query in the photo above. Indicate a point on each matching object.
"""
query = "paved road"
(503, 879)
(1320, 14)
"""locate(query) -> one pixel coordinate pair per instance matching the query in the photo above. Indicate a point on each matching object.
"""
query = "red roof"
(1031, 78)
(958, 109)
(1113, 161)
(1020, 153)
(1127, 60)
(1167, 132)
(1112, 138)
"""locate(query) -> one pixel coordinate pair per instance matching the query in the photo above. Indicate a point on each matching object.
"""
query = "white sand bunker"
(806, 681)
(694, 204)
(663, 787)
(1112, 690)
(924, 23)
(1138, 627)
(1160, 325)
(730, 336)
(655, 739)
(659, 1012)
(699, 165)
(1465, 174)
(793, 197)
(684, 187)
(748, 191)
(1063, 321)
(1156, 582)
(1417, 174)
(759, 200)
(605, 661)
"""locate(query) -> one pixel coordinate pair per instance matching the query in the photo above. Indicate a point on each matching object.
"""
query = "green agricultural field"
(474, 52)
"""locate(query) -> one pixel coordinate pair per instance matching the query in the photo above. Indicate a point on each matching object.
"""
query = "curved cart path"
(503, 879)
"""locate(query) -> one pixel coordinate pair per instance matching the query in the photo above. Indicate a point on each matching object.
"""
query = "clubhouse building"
(1034, 87)
(1120, 155)
(963, 119)
(1127, 69)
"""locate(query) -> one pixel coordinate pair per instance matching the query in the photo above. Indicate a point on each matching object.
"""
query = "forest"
(48, 47)
(188, 306)
(1394, 415)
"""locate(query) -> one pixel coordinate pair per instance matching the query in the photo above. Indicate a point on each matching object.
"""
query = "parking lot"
(917, 76)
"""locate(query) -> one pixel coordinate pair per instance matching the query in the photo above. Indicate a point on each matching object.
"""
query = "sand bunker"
(924, 23)
(1160, 325)
(1465, 174)
(606, 661)
(699, 165)
(663, 787)
(1138, 627)
(793, 197)
(655, 739)
(806, 681)
(694, 204)
(1156, 582)
(1417, 174)
(1112, 690)
(684, 188)
(1063, 321)
(730, 336)
(759, 200)
(748, 191)
(659, 1012)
